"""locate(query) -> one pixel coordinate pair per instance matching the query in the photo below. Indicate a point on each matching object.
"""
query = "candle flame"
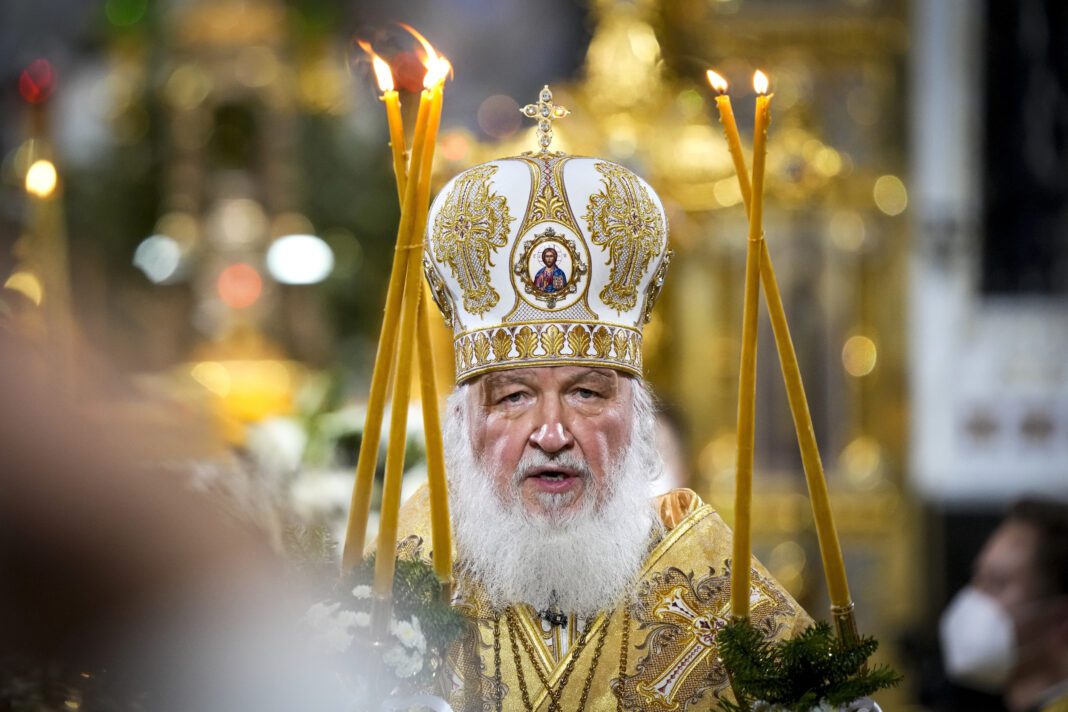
(436, 71)
(719, 84)
(431, 55)
(437, 66)
(383, 73)
(760, 82)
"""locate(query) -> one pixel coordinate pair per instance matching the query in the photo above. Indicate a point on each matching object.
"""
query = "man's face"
(549, 258)
(558, 417)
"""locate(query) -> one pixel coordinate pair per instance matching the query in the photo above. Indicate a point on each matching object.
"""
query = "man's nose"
(550, 433)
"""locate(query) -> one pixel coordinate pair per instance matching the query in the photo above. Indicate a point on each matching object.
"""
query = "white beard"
(583, 561)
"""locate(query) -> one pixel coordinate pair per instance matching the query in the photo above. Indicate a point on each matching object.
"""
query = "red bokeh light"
(239, 285)
(408, 71)
(37, 81)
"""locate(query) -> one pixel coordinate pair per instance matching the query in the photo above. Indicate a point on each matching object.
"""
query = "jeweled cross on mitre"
(545, 111)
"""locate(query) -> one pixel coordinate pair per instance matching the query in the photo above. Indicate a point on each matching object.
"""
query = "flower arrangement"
(420, 630)
(814, 671)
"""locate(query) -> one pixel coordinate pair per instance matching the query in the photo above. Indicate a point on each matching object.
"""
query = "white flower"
(403, 664)
(277, 445)
(409, 634)
(362, 592)
(338, 639)
(318, 615)
(363, 619)
(321, 494)
(346, 618)
(333, 632)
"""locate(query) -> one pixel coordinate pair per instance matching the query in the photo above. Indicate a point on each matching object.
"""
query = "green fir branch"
(417, 592)
(800, 673)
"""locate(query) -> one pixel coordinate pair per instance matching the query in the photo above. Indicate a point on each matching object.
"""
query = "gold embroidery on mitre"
(549, 201)
(652, 292)
(578, 338)
(472, 223)
(623, 219)
(439, 292)
(502, 345)
(682, 615)
(548, 205)
(481, 348)
(540, 343)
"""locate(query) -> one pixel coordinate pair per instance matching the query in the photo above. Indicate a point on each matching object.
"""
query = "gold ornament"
(624, 219)
(545, 111)
(471, 224)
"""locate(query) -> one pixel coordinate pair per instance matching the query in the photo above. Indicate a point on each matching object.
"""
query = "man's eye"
(585, 393)
(512, 397)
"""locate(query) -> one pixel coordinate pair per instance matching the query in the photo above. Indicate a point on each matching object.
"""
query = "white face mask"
(978, 641)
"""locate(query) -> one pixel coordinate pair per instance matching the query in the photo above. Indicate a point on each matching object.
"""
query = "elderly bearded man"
(582, 591)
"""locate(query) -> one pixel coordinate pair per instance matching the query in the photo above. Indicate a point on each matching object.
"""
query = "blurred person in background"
(121, 589)
(1007, 630)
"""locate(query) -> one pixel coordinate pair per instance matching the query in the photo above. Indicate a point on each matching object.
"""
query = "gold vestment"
(658, 653)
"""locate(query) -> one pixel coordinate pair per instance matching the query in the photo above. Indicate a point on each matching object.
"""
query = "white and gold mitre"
(546, 259)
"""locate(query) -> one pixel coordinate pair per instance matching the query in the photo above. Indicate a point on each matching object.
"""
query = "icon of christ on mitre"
(550, 278)
(581, 590)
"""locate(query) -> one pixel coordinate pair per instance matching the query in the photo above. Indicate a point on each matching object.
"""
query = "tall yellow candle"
(360, 506)
(730, 131)
(438, 69)
(440, 525)
(422, 158)
(830, 549)
(396, 138)
(743, 495)
(384, 77)
(432, 423)
(826, 533)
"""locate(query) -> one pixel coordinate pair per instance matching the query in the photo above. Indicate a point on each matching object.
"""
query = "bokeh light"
(862, 462)
(690, 103)
(455, 145)
(239, 285)
(847, 230)
(859, 356)
(187, 87)
(239, 221)
(26, 284)
(727, 192)
(124, 13)
(256, 66)
(787, 564)
(300, 259)
(213, 376)
(890, 195)
(37, 81)
(180, 226)
(717, 459)
(499, 116)
(159, 257)
(41, 178)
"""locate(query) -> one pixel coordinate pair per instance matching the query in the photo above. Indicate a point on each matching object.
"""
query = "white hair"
(584, 561)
